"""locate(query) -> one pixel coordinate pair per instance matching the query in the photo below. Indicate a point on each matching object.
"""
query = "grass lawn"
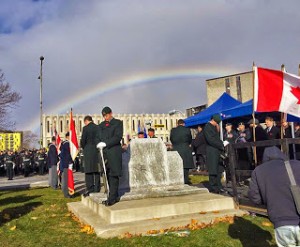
(39, 217)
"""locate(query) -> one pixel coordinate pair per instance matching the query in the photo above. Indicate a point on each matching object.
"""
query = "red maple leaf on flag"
(296, 92)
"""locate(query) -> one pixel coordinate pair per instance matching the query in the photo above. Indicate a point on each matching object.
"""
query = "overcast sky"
(137, 56)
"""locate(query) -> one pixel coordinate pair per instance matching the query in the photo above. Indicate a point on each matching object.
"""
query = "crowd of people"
(27, 162)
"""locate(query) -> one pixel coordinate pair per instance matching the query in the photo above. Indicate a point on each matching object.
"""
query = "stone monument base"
(140, 216)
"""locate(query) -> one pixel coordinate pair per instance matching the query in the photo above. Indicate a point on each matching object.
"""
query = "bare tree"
(30, 140)
(8, 101)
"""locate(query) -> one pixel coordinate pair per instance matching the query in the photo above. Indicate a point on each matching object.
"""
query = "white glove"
(101, 145)
(71, 166)
(225, 143)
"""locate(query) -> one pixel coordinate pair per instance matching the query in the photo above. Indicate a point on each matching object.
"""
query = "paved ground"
(37, 181)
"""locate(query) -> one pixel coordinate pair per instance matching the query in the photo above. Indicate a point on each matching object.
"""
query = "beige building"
(11, 141)
(162, 123)
(239, 86)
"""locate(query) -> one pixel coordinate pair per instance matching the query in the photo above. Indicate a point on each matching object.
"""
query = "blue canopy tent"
(246, 109)
(223, 103)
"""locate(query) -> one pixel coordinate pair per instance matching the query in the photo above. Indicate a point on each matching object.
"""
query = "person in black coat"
(230, 134)
(272, 131)
(214, 147)
(181, 139)
(65, 161)
(90, 155)
(109, 136)
(199, 146)
(260, 135)
(52, 159)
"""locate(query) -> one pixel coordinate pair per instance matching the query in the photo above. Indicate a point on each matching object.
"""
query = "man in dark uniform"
(90, 154)
(109, 136)
(65, 162)
(271, 130)
(214, 147)
(26, 163)
(199, 146)
(41, 161)
(181, 139)
(260, 135)
(52, 160)
(9, 162)
(230, 135)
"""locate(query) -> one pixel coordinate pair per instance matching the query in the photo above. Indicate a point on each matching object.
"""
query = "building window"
(48, 126)
(166, 124)
(133, 126)
(227, 86)
(80, 125)
(239, 88)
(61, 126)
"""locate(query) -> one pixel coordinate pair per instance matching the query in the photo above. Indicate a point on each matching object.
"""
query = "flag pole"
(282, 114)
(253, 116)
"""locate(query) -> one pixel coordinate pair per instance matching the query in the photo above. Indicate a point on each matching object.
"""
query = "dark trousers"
(186, 175)
(92, 182)
(201, 161)
(64, 182)
(41, 167)
(9, 170)
(113, 182)
(215, 182)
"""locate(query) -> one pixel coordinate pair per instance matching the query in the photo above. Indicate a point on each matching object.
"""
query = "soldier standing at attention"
(109, 136)
(181, 139)
(9, 162)
(214, 148)
(52, 160)
(26, 163)
(65, 162)
(90, 155)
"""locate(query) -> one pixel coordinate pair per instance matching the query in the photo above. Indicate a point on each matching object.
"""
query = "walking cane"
(105, 174)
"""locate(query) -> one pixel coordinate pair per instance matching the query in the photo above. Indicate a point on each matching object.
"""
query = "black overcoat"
(88, 143)
(214, 147)
(181, 139)
(111, 133)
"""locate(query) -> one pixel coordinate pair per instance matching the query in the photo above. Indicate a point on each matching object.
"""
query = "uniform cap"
(217, 118)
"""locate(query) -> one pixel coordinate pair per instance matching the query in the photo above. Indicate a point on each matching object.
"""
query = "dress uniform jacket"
(181, 139)
(111, 133)
(214, 148)
(89, 144)
(65, 155)
(52, 157)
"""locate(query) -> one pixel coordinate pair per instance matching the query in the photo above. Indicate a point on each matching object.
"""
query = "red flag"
(276, 90)
(74, 147)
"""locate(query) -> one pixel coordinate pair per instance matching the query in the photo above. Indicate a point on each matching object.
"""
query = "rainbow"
(138, 79)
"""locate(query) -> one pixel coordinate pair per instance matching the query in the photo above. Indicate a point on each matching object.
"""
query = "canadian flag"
(275, 90)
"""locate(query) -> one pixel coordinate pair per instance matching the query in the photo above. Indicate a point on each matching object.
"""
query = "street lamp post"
(173, 112)
(41, 101)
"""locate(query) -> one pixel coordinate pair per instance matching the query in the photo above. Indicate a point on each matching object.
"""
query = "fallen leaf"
(13, 228)
(67, 215)
(266, 223)
(34, 218)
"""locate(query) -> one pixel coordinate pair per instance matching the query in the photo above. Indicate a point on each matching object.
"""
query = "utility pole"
(41, 101)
